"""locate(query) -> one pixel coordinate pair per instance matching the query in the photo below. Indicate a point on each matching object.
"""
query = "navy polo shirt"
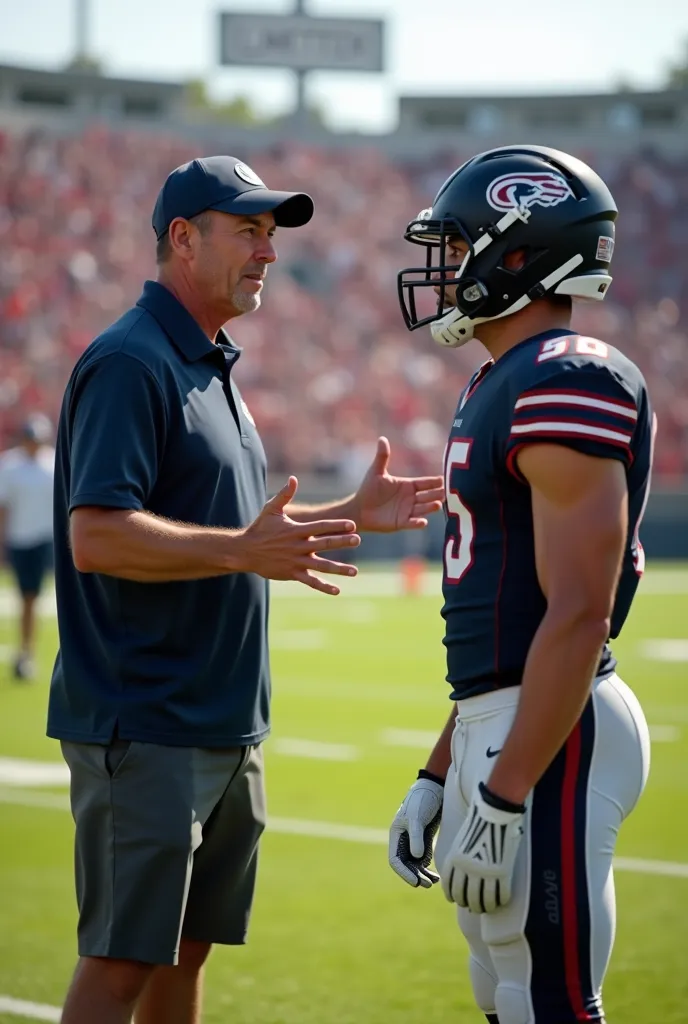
(151, 419)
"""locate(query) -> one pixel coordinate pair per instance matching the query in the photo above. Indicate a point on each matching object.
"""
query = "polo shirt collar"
(181, 327)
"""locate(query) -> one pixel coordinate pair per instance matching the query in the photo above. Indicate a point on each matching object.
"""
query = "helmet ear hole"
(516, 259)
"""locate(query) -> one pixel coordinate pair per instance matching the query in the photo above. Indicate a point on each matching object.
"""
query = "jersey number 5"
(458, 549)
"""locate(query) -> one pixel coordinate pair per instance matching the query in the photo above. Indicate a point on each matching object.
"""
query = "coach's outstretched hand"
(386, 503)
(279, 548)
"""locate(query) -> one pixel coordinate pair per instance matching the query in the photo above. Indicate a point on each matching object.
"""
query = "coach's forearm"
(148, 549)
(559, 672)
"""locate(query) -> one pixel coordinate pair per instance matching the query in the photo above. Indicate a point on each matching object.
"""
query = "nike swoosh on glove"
(412, 833)
(479, 867)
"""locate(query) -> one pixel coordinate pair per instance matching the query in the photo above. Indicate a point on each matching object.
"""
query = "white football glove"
(478, 869)
(413, 831)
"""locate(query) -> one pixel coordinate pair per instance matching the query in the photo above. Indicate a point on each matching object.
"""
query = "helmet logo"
(529, 189)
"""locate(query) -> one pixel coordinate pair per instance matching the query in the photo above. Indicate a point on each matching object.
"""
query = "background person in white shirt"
(26, 525)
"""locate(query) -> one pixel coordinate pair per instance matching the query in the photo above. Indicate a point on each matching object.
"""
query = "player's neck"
(498, 336)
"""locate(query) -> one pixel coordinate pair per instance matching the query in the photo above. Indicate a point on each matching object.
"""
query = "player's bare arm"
(440, 758)
(580, 522)
(383, 503)
(140, 546)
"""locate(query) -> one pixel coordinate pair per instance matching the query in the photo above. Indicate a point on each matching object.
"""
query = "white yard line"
(664, 733)
(674, 712)
(329, 830)
(335, 830)
(383, 583)
(651, 867)
(367, 693)
(17, 771)
(345, 833)
(663, 582)
(298, 639)
(380, 837)
(29, 798)
(419, 739)
(664, 649)
(29, 1011)
(315, 750)
(23, 773)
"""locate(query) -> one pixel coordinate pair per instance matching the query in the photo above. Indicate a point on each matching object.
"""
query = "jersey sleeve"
(118, 426)
(589, 411)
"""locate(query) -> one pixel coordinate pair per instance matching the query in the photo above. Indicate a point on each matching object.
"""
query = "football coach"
(164, 543)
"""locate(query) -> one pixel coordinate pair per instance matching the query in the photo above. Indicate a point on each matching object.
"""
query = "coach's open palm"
(279, 548)
(386, 503)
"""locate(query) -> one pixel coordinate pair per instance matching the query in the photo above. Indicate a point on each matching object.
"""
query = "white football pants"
(542, 959)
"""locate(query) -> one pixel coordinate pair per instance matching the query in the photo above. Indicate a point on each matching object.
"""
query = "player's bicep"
(580, 522)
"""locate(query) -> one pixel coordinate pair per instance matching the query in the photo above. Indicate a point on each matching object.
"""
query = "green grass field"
(336, 937)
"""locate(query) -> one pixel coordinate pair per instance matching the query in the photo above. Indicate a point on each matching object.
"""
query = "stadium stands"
(327, 363)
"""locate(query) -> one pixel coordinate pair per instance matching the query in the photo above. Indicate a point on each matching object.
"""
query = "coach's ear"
(184, 238)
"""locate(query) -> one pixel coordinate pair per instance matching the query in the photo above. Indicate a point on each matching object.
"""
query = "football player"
(547, 473)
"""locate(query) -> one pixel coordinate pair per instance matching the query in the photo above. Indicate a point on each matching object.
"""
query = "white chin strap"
(454, 329)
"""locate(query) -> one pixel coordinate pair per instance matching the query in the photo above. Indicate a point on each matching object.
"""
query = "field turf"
(337, 938)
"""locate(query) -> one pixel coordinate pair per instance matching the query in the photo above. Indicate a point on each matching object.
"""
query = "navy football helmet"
(549, 204)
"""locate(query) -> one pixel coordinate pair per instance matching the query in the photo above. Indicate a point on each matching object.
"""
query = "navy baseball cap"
(226, 184)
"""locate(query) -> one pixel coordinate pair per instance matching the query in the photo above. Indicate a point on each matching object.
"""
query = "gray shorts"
(166, 846)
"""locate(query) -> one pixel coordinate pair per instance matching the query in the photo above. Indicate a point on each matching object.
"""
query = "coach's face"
(230, 257)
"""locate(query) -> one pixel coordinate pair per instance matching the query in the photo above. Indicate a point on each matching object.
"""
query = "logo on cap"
(244, 172)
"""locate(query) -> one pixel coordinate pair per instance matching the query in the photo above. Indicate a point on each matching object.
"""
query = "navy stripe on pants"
(558, 927)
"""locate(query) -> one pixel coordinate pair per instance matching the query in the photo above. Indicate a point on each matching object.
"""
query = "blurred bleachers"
(327, 362)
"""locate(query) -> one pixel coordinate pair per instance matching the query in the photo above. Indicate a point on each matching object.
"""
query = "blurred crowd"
(327, 362)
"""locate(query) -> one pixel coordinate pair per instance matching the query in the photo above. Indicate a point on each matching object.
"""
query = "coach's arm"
(580, 518)
(137, 545)
(117, 426)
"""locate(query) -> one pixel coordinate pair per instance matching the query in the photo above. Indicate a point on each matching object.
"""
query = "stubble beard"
(245, 302)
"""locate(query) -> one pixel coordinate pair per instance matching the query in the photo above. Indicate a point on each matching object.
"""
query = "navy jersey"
(556, 388)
